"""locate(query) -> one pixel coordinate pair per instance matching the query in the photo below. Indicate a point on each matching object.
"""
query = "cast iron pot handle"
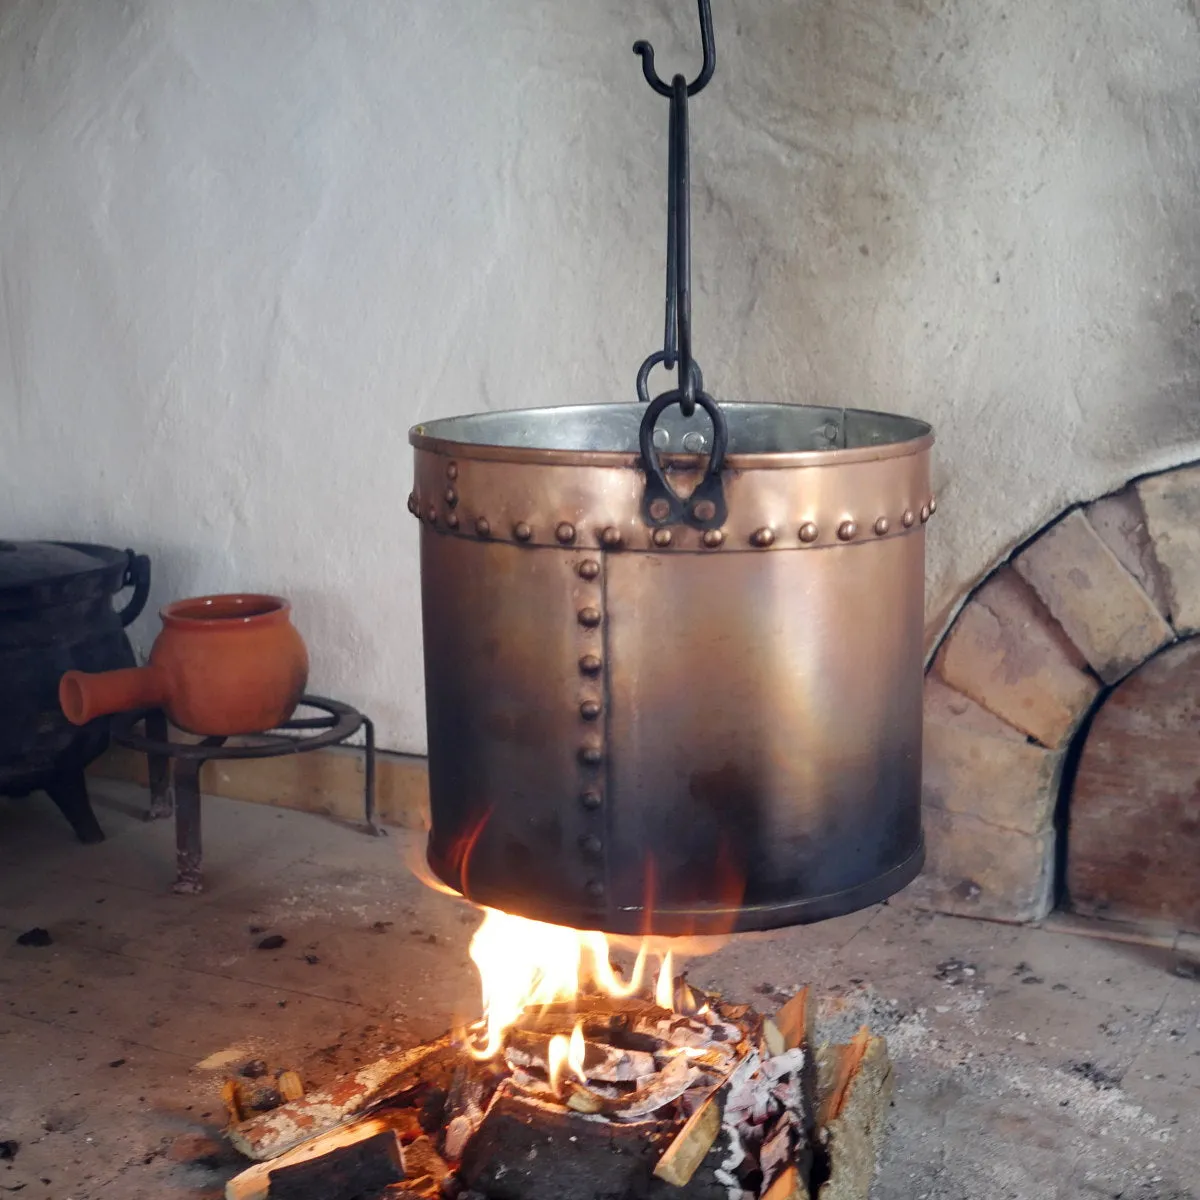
(661, 504)
(137, 573)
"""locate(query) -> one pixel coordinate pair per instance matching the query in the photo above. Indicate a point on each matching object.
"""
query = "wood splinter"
(678, 1164)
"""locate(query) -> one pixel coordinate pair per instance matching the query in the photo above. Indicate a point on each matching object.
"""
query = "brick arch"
(1036, 648)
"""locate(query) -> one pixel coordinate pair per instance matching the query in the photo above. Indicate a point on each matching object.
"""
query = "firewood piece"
(528, 1149)
(232, 1100)
(345, 1173)
(773, 1038)
(278, 1131)
(794, 1021)
(422, 1159)
(600, 1062)
(658, 1091)
(254, 1183)
(855, 1134)
(691, 1144)
(290, 1085)
(846, 1065)
(788, 1186)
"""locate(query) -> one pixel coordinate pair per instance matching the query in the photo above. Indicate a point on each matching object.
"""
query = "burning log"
(275, 1132)
(604, 1063)
(691, 1144)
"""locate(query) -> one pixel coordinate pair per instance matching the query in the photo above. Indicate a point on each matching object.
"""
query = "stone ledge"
(329, 782)
(1171, 502)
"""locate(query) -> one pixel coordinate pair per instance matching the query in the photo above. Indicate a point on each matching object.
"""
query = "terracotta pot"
(222, 665)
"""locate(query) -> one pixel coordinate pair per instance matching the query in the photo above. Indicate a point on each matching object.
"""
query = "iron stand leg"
(69, 791)
(369, 773)
(162, 788)
(188, 852)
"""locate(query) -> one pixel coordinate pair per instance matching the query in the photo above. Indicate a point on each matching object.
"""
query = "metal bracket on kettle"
(705, 507)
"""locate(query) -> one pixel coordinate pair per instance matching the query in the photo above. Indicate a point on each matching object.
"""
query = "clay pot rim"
(261, 609)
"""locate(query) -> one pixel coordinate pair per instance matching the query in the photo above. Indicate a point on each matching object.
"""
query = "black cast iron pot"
(56, 613)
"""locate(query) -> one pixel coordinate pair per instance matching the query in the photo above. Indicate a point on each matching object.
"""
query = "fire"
(524, 964)
(567, 1055)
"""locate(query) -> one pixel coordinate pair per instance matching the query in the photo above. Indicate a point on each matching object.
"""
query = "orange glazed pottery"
(222, 665)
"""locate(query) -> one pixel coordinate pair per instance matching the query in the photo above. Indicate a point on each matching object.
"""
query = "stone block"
(976, 765)
(1008, 654)
(1097, 602)
(973, 869)
(1171, 503)
(1121, 524)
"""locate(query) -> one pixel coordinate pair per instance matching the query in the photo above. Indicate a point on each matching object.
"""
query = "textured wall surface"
(244, 245)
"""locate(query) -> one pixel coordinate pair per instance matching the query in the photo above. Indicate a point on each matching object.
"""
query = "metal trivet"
(175, 766)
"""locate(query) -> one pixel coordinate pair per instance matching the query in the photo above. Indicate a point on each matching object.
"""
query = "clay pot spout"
(84, 696)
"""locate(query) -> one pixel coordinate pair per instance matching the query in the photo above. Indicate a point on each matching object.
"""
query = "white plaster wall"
(245, 244)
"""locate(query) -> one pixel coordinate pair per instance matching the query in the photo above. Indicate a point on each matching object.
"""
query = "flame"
(566, 1055)
(529, 964)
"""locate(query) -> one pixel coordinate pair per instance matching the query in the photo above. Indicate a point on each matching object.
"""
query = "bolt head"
(704, 510)
(661, 537)
(414, 506)
(591, 845)
(482, 527)
(847, 531)
(590, 800)
(451, 497)
(713, 538)
(452, 470)
(808, 532)
(431, 513)
(565, 532)
(882, 526)
(594, 889)
(522, 532)
(589, 618)
(925, 510)
(932, 504)
(660, 509)
(589, 710)
(611, 537)
(588, 569)
(591, 755)
(590, 664)
(908, 518)
(452, 520)
(762, 537)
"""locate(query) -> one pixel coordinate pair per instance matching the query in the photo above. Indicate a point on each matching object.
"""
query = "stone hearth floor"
(1032, 1065)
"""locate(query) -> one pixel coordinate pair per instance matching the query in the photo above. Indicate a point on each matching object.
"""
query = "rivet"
(762, 537)
(565, 532)
(590, 664)
(907, 518)
(660, 509)
(589, 618)
(808, 532)
(591, 755)
(713, 538)
(924, 513)
(431, 513)
(704, 510)
(595, 889)
(591, 845)
(482, 527)
(452, 520)
(611, 537)
(590, 800)
(452, 470)
(932, 504)
(589, 710)
(882, 526)
(589, 569)
(451, 497)
(661, 537)
(522, 532)
(414, 505)
(847, 530)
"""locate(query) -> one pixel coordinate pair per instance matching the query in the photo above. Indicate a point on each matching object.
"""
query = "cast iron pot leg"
(188, 853)
(69, 791)
(160, 767)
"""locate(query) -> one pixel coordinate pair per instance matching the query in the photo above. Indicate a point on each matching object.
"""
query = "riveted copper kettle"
(673, 649)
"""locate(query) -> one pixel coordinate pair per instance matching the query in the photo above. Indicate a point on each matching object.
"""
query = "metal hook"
(710, 56)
